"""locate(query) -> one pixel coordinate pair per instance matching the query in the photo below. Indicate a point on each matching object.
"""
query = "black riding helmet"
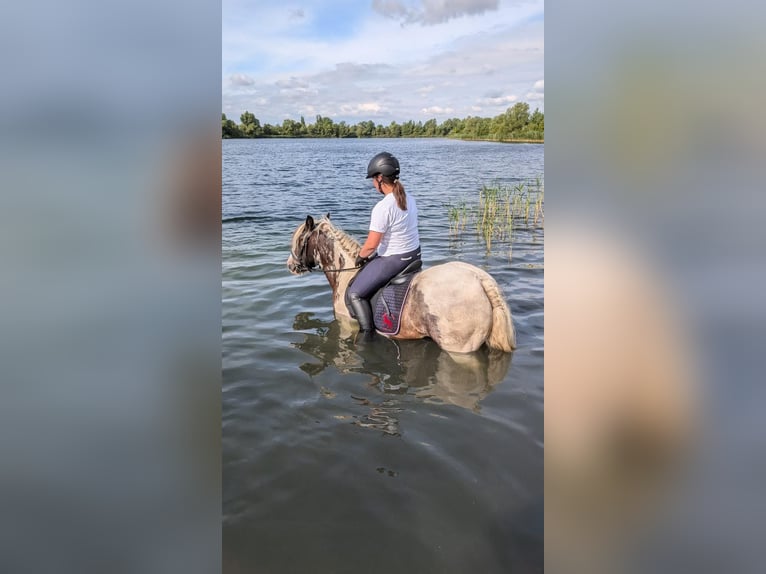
(383, 163)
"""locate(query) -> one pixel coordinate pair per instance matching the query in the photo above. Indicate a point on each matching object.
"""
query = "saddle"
(388, 301)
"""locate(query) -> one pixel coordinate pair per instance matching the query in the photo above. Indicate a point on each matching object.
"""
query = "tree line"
(516, 123)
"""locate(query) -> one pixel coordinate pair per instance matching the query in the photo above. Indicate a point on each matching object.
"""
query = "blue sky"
(381, 60)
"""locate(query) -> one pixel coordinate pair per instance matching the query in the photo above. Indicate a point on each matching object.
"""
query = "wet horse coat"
(457, 305)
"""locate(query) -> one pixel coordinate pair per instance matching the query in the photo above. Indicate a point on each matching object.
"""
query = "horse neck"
(336, 250)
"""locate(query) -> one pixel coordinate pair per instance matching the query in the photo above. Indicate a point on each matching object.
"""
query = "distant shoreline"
(500, 141)
(515, 125)
(354, 137)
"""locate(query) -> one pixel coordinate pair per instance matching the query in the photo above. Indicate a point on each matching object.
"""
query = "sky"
(381, 60)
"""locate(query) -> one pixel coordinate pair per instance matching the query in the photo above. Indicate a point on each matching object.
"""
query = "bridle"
(303, 265)
(302, 259)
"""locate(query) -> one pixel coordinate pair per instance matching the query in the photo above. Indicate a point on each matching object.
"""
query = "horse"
(457, 305)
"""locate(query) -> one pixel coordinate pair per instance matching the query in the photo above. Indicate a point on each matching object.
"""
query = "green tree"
(269, 130)
(251, 127)
(429, 128)
(325, 127)
(499, 128)
(536, 127)
(471, 127)
(452, 126)
(365, 129)
(291, 128)
(343, 130)
(517, 118)
(515, 122)
(228, 128)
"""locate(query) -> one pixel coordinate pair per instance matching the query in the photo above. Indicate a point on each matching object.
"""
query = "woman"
(393, 234)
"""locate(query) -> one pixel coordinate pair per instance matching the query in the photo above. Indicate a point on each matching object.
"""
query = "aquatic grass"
(458, 217)
(500, 211)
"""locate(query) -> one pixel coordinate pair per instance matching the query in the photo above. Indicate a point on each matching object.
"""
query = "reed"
(500, 211)
(458, 217)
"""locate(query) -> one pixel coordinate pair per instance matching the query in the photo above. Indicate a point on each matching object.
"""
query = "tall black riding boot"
(363, 312)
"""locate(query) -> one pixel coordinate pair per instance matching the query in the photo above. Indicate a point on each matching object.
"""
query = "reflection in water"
(382, 416)
(419, 367)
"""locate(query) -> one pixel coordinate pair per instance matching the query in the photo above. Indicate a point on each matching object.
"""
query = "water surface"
(391, 457)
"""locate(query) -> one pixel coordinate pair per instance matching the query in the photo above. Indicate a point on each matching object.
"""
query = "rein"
(310, 268)
(338, 270)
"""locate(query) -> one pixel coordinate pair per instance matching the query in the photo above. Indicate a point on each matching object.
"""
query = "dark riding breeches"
(380, 271)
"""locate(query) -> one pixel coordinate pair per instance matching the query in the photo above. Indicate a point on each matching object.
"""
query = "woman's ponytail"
(399, 195)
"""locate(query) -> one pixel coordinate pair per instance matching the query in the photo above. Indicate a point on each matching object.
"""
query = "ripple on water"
(334, 454)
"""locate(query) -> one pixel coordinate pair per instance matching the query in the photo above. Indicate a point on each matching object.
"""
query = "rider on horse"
(393, 234)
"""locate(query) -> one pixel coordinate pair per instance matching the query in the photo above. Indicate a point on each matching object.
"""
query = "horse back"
(460, 307)
(446, 300)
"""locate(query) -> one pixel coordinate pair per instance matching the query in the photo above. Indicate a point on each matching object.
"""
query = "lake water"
(394, 457)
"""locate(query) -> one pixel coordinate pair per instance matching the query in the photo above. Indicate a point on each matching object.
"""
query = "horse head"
(319, 244)
(301, 257)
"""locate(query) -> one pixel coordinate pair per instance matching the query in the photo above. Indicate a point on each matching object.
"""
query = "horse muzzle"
(295, 267)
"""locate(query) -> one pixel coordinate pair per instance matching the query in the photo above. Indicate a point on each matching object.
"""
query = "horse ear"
(309, 222)
(328, 215)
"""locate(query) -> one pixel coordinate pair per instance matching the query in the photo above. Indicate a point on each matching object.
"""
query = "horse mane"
(340, 237)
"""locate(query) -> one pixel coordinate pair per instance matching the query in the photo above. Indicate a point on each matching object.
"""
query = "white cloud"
(371, 107)
(297, 92)
(291, 83)
(484, 59)
(296, 14)
(362, 109)
(430, 12)
(538, 92)
(454, 64)
(241, 80)
(437, 110)
(295, 89)
(345, 73)
(268, 41)
(390, 9)
(497, 100)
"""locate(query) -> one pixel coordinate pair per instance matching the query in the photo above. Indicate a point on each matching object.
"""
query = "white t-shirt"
(399, 228)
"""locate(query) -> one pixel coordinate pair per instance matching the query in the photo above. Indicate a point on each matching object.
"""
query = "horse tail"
(502, 335)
